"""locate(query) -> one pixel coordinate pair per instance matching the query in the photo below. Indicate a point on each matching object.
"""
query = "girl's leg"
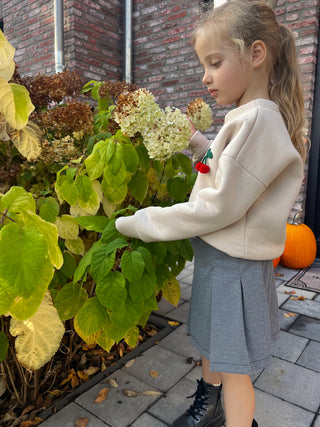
(239, 400)
(210, 376)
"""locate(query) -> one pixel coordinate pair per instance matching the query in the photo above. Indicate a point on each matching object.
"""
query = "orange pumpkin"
(276, 262)
(300, 247)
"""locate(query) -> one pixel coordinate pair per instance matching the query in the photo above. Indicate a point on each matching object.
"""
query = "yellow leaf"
(130, 393)
(151, 393)
(38, 338)
(173, 323)
(153, 373)
(76, 246)
(89, 339)
(7, 52)
(67, 227)
(27, 141)
(171, 291)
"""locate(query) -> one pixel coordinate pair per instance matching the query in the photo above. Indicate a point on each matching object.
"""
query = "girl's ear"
(258, 53)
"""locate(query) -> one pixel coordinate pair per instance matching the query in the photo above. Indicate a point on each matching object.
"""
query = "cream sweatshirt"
(242, 204)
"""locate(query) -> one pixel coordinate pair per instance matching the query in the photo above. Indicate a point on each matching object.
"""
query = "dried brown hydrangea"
(199, 113)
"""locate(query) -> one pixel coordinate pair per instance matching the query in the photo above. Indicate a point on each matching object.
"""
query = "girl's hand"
(193, 129)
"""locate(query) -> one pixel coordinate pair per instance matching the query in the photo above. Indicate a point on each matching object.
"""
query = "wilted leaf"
(299, 298)
(91, 370)
(83, 376)
(27, 141)
(173, 323)
(112, 383)
(153, 373)
(130, 393)
(103, 393)
(129, 363)
(151, 393)
(67, 227)
(81, 422)
(289, 292)
(29, 423)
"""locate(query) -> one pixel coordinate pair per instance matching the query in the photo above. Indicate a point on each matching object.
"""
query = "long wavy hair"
(241, 23)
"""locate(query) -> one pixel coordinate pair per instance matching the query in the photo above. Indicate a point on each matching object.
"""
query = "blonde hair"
(241, 23)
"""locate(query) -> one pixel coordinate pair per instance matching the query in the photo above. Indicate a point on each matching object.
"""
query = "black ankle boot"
(206, 410)
(254, 423)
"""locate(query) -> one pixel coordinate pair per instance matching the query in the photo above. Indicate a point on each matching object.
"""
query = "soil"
(74, 364)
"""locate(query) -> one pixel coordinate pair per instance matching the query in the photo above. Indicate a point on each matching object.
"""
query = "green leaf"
(76, 246)
(116, 244)
(117, 159)
(24, 258)
(80, 271)
(128, 317)
(110, 232)
(138, 186)
(18, 200)
(147, 258)
(69, 265)
(132, 265)
(144, 159)
(105, 341)
(132, 337)
(90, 207)
(7, 297)
(93, 223)
(84, 187)
(102, 263)
(49, 210)
(50, 233)
(178, 188)
(66, 190)
(112, 291)
(114, 179)
(116, 194)
(69, 300)
(94, 165)
(4, 345)
(186, 250)
(130, 157)
(15, 104)
(183, 161)
(92, 316)
(67, 227)
(142, 289)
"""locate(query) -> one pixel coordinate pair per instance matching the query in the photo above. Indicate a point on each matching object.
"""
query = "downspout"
(128, 41)
(59, 36)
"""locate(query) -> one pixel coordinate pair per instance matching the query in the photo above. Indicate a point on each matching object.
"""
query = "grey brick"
(69, 415)
(180, 313)
(118, 410)
(310, 357)
(274, 412)
(170, 366)
(286, 322)
(175, 402)
(291, 383)
(147, 420)
(307, 307)
(179, 342)
(289, 346)
(317, 422)
(306, 327)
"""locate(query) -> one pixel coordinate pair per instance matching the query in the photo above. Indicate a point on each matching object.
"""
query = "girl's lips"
(213, 92)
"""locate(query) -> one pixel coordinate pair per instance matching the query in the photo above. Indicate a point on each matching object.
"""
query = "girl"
(238, 209)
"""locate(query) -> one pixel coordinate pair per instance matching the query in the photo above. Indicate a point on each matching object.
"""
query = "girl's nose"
(206, 79)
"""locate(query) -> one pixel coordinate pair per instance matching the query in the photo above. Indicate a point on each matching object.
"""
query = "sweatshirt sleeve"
(199, 145)
(212, 208)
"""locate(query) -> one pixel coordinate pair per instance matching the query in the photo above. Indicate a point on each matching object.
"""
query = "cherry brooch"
(202, 166)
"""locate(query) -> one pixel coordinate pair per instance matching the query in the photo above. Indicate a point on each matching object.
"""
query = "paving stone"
(175, 402)
(310, 357)
(306, 307)
(118, 410)
(274, 412)
(282, 297)
(170, 366)
(164, 307)
(317, 422)
(291, 383)
(317, 298)
(180, 313)
(186, 293)
(298, 292)
(195, 373)
(286, 322)
(289, 346)
(306, 327)
(184, 274)
(147, 420)
(187, 279)
(69, 415)
(179, 342)
(287, 273)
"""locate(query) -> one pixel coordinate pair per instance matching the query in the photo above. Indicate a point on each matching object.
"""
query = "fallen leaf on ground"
(153, 373)
(91, 370)
(290, 292)
(82, 375)
(81, 422)
(151, 393)
(288, 315)
(173, 323)
(103, 393)
(30, 423)
(278, 274)
(129, 363)
(130, 393)
(299, 298)
(112, 383)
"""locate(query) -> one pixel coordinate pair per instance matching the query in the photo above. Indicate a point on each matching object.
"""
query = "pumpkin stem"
(296, 220)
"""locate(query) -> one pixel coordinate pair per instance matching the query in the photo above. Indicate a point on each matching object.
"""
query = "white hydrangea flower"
(199, 113)
(136, 111)
(169, 134)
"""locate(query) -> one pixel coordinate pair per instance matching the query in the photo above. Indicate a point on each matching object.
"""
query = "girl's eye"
(216, 64)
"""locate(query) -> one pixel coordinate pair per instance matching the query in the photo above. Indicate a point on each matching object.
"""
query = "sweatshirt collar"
(266, 103)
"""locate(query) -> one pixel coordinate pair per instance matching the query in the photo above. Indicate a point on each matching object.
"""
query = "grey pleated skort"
(234, 316)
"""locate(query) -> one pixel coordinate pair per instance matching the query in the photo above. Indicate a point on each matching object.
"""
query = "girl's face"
(227, 75)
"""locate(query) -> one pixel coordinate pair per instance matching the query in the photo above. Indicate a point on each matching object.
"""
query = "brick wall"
(92, 32)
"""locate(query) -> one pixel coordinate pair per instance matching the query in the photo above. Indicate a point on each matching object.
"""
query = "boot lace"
(200, 402)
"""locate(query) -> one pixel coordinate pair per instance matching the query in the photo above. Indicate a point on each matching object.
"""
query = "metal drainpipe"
(128, 41)
(59, 36)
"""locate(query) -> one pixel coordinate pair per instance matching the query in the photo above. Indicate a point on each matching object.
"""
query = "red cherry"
(198, 166)
(204, 168)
